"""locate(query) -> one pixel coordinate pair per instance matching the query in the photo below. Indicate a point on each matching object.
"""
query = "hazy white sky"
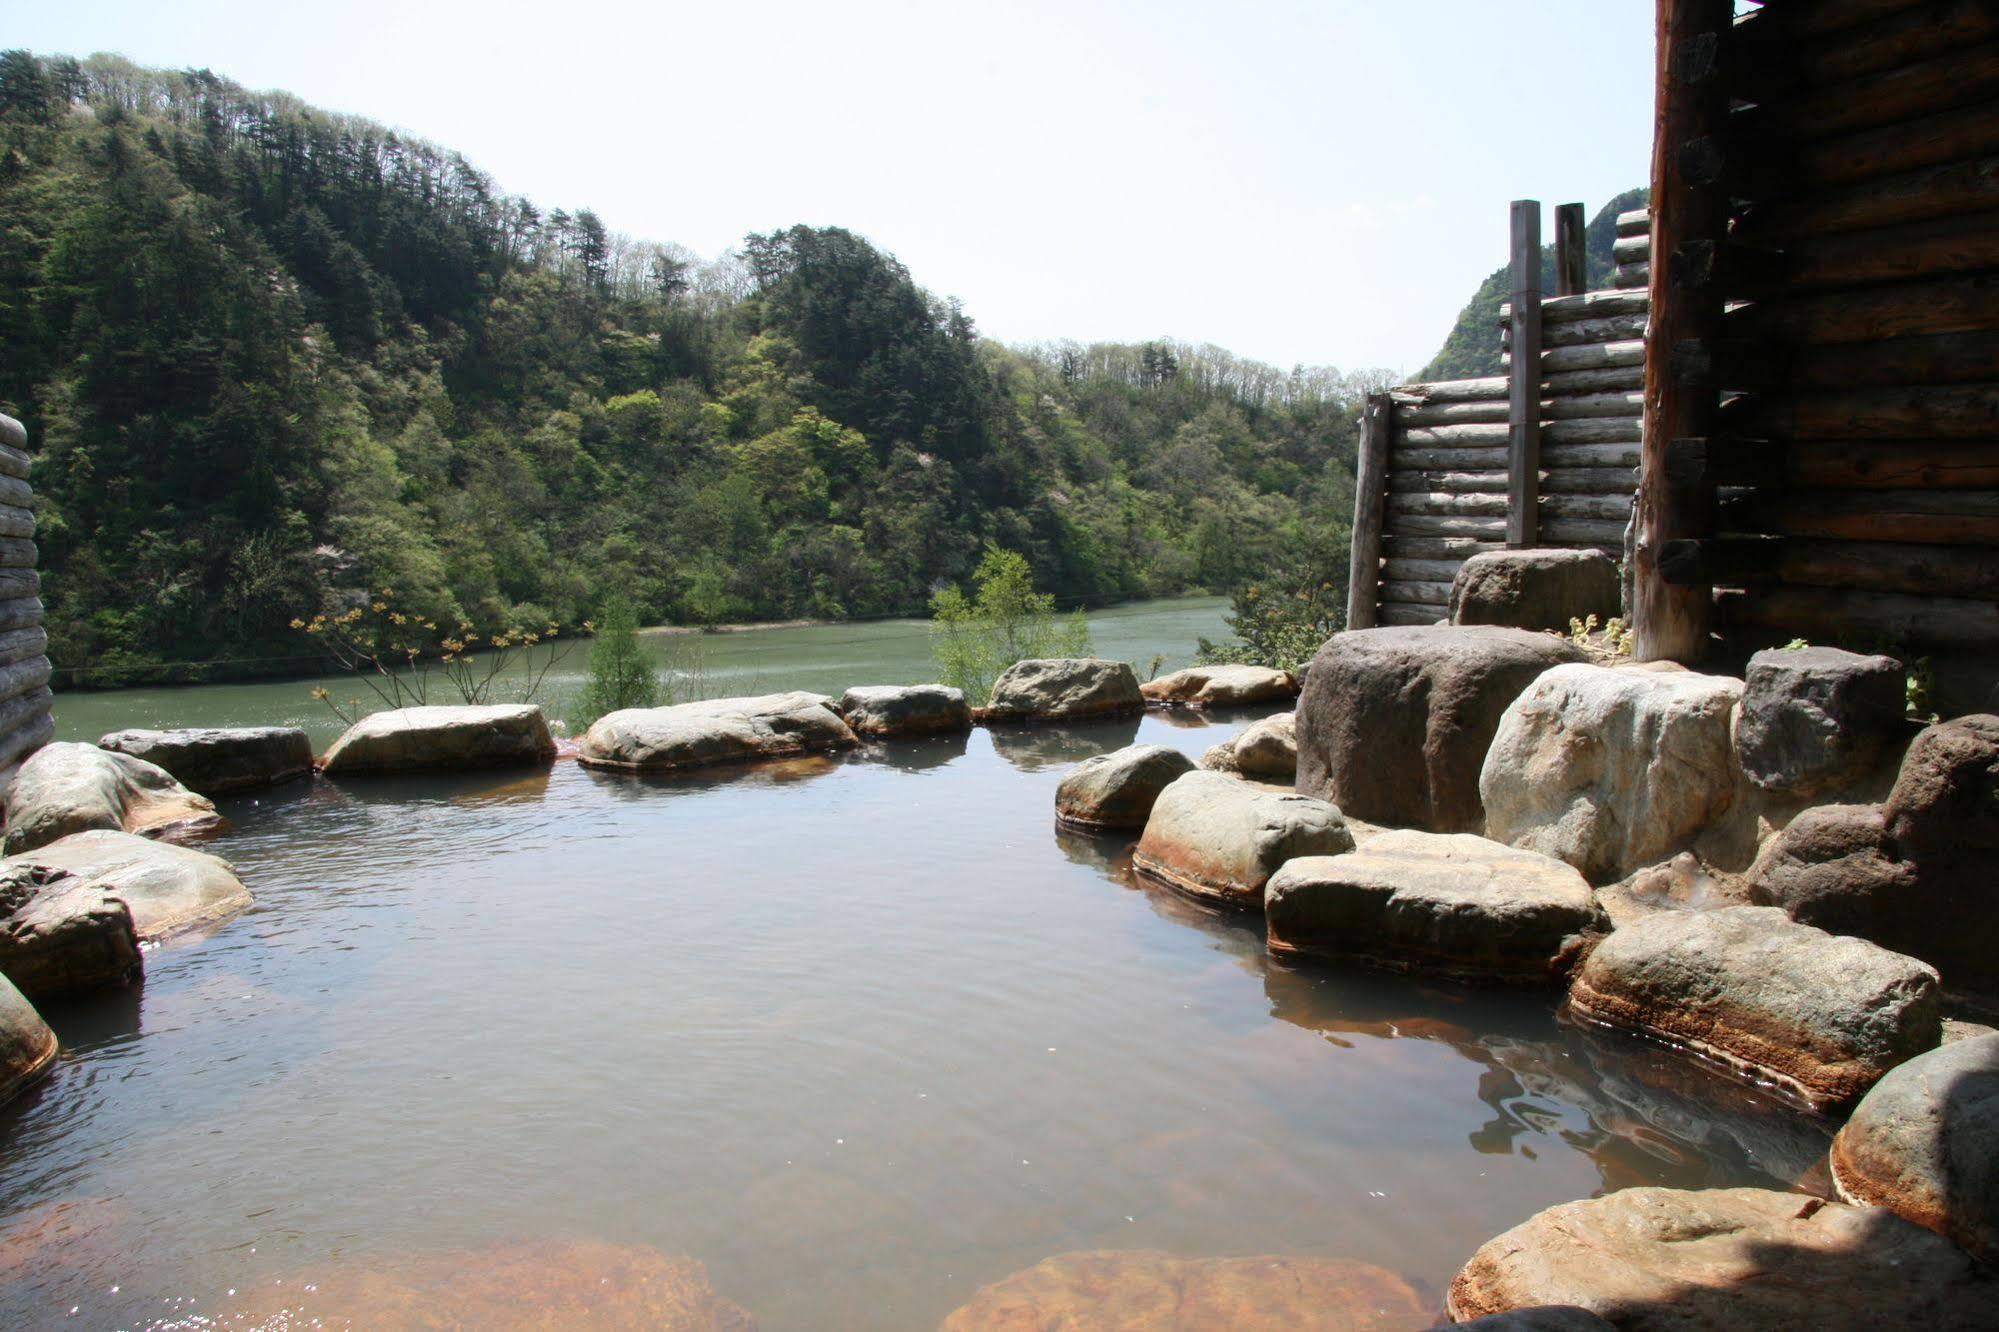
(1299, 182)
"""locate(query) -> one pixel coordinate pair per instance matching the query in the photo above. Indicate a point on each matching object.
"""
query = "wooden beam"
(1570, 259)
(1523, 463)
(1370, 495)
(1839, 616)
(1967, 304)
(1491, 389)
(1939, 571)
(1689, 219)
(1941, 412)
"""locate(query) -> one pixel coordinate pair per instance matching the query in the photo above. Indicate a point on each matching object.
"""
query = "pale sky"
(1322, 182)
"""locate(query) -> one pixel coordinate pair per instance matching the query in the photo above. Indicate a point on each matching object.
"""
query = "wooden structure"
(25, 700)
(1822, 393)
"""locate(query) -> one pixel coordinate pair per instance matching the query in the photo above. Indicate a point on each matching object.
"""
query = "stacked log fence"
(26, 723)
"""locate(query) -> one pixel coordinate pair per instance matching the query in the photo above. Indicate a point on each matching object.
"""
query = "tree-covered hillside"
(274, 359)
(1472, 349)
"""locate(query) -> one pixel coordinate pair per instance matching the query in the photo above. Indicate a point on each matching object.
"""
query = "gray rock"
(1442, 903)
(1535, 589)
(168, 889)
(1394, 723)
(1220, 687)
(1266, 749)
(1681, 1260)
(65, 788)
(498, 735)
(1064, 689)
(892, 710)
(1817, 720)
(1611, 770)
(1943, 817)
(1822, 1015)
(27, 1046)
(1219, 840)
(1924, 1143)
(1117, 790)
(61, 933)
(1833, 866)
(217, 762)
(723, 730)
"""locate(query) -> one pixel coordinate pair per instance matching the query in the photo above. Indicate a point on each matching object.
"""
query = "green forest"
(277, 362)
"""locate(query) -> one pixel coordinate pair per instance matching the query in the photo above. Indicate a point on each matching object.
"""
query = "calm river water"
(860, 1034)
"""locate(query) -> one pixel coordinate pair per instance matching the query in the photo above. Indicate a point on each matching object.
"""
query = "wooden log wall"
(25, 700)
(1856, 448)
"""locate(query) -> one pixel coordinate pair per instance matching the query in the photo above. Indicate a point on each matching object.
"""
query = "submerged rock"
(1394, 723)
(61, 933)
(430, 738)
(1266, 749)
(168, 889)
(1611, 770)
(27, 1046)
(1816, 720)
(1820, 1014)
(722, 730)
(1225, 686)
(892, 710)
(67, 788)
(1219, 840)
(1145, 1291)
(1117, 790)
(216, 762)
(1924, 1143)
(1676, 1260)
(1535, 589)
(1064, 689)
(1444, 903)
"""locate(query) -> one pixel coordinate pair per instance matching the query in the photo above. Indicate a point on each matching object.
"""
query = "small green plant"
(1614, 639)
(1919, 689)
(1284, 621)
(1795, 645)
(1004, 621)
(621, 674)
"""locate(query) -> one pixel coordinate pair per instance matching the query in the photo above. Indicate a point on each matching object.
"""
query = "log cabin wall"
(1855, 450)
(25, 700)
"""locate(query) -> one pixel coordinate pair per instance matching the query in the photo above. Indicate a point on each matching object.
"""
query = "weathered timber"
(1624, 453)
(1631, 249)
(1635, 222)
(1370, 494)
(1523, 460)
(1876, 566)
(1947, 358)
(1594, 430)
(1948, 412)
(1451, 413)
(1593, 381)
(1902, 38)
(1894, 464)
(1420, 571)
(1584, 406)
(1597, 534)
(20, 613)
(1453, 436)
(1633, 275)
(1584, 306)
(21, 709)
(1417, 524)
(23, 737)
(1595, 356)
(17, 554)
(16, 522)
(13, 462)
(1462, 483)
(1590, 481)
(1724, 460)
(1923, 517)
(1844, 615)
(1492, 388)
(1959, 77)
(1420, 594)
(1922, 195)
(21, 677)
(1442, 504)
(18, 582)
(1403, 613)
(1965, 243)
(1720, 561)
(1570, 258)
(1416, 459)
(1610, 508)
(1575, 333)
(15, 491)
(21, 644)
(1437, 547)
(1967, 304)
(1960, 135)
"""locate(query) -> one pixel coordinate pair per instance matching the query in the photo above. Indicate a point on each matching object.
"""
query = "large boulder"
(1394, 723)
(497, 735)
(1924, 1143)
(66, 788)
(1822, 1015)
(892, 710)
(1817, 720)
(1535, 589)
(1266, 749)
(1833, 866)
(1064, 689)
(1220, 687)
(1117, 790)
(1611, 770)
(217, 762)
(1443, 903)
(1943, 817)
(1680, 1260)
(723, 730)
(168, 889)
(27, 1046)
(1219, 840)
(1146, 1291)
(61, 933)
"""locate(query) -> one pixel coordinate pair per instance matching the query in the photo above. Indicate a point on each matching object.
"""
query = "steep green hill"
(276, 360)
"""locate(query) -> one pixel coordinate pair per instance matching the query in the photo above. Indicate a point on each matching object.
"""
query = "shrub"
(1005, 621)
(621, 674)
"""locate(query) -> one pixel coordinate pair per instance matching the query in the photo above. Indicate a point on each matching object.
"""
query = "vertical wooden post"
(1523, 413)
(1689, 221)
(1571, 272)
(1370, 503)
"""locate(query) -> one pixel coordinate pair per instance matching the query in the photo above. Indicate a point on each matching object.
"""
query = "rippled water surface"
(861, 1035)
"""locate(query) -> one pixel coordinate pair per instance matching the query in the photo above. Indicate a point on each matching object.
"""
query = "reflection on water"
(1034, 747)
(863, 1035)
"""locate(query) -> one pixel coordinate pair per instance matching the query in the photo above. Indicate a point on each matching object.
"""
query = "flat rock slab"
(1611, 770)
(218, 762)
(432, 738)
(1535, 589)
(1924, 1143)
(61, 933)
(1146, 1291)
(1221, 687)
(1678, 1260)
(1394, 723)
(892, 710)
(1063, 689)
(67, 788)
(1821, 1015)
(1117, 790)
(1816, 720)
(1266, 749)
(168, 889)
(27, 1046)
(1218, 839)
(723, 730)
(1441, 903)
